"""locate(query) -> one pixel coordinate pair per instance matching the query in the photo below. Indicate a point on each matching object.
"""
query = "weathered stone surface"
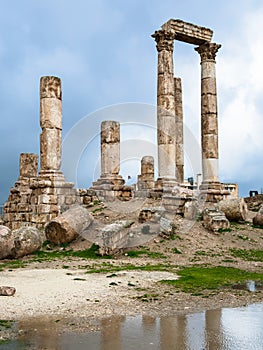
(28, 239)
(188, 32)
(50, 87)
(146, 178)
(258, 219)
(190, 210)
(166, 124)
(235, 209)
(179, 131)
(214, 219)
(7, 291)
(7, 242)
(114, 237)
(69, 225)
(28, 165)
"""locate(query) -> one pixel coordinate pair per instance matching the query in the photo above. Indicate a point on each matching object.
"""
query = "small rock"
(7, 291)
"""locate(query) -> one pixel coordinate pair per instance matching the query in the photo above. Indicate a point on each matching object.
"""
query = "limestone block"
(258, 219)
(50, 87)
(208, 70)
(208, 86)
(68, 225)
(165, 84)
(188, 32)
(209, 104)
(214, 219)
(235, 209)
(50, 150)
(166, 130)
(28, 165)
(27, 240)
(110, 132)
(166, 105)
(210, 146)
(210, 124)
(165, 63)
(110, 158)
(51, 113)
(166, 161)
(7, 242)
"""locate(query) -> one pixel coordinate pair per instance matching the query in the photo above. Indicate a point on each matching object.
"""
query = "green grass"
(257, 226)
(196, 279)
(249, 255)
(13, 264)
(221, 230)
(91, 253)
(143, 252)
(7, 324)
(129, 267)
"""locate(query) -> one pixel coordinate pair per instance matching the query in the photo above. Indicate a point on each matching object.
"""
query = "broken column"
(51, 124)
(179, 130)
(51, 194)
(146, 178)
(17, 209)
(165, 109)
(110, 182)
(211, 187)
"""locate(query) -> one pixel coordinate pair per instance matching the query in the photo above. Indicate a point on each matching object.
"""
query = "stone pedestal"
(110, 183)
(166, 124)
(210, 187)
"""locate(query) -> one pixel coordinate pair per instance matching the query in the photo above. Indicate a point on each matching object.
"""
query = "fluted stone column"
(110, 148)
(165, 106)
(209, 122)
(179, 130)
(51, 124)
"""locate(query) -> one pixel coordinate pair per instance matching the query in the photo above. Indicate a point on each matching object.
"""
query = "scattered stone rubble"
(45, 199)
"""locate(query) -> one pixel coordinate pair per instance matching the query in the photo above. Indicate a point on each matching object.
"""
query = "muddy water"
(222, 329)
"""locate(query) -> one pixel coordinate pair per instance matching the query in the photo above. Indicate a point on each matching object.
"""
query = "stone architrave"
(110, 183)
(165, 108)
(179, 130)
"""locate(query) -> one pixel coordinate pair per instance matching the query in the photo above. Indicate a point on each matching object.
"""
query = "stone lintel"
(188, 32)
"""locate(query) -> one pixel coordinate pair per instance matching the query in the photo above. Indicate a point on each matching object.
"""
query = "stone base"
(176, 205)
(212, 192)
(108, 187)
(166, 185)
(35, 201)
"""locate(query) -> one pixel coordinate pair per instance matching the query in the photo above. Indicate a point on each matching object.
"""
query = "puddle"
(224, 329)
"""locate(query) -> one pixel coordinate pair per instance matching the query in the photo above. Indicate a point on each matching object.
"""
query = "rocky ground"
(64, 289)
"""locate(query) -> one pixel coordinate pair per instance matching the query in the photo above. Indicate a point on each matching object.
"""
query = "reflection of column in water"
(213, 326)
(111, 332)
(172, 332)
(42, 333)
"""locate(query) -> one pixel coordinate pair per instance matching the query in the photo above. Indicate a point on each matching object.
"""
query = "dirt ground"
(62, 289)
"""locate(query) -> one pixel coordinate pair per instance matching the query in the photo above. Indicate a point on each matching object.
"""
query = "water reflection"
(226, 329)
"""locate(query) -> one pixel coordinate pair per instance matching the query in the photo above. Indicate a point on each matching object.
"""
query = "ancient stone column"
(28, 165)
(165, 106)
(110, 148)
(179, 130)
(51, 124)
(146, 179)
(209, 123)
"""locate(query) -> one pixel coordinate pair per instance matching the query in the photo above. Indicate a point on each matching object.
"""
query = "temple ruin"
(38, 197)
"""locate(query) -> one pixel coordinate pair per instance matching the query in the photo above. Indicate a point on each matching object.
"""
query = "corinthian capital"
(208, 51)
(164, 40)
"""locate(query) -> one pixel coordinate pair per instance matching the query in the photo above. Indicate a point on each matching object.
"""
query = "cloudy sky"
(104, 54)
